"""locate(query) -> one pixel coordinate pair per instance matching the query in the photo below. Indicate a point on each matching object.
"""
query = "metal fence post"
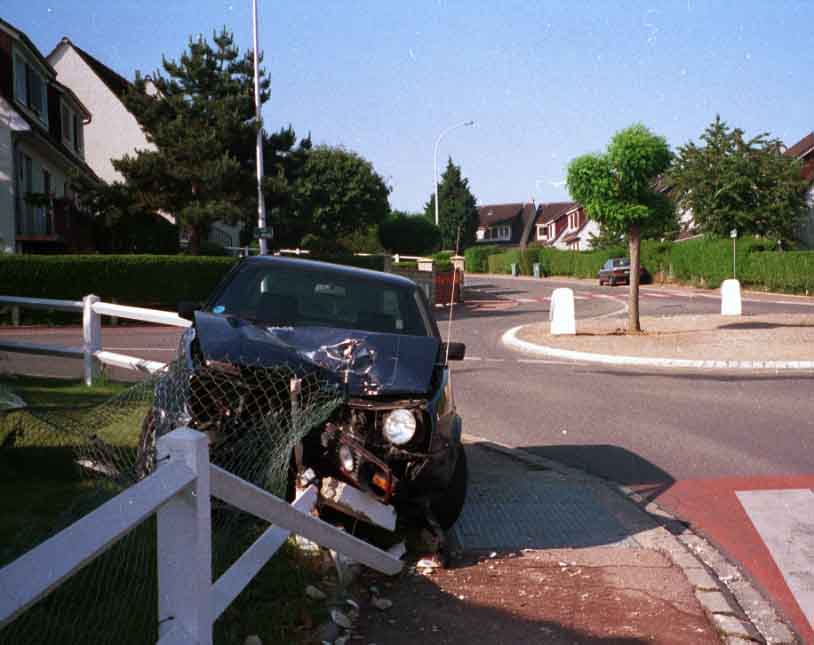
(185, 543)
(92, 337)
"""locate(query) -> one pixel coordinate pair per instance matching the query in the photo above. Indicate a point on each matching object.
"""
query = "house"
(114, 131)
(42, 124)
(564, 225)
(804, 151)
(504, 224)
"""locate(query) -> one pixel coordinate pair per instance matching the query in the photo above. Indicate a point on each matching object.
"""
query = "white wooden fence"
(90, 351)
(178, 492)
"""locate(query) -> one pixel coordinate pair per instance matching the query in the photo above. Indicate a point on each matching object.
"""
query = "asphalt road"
(691, 440)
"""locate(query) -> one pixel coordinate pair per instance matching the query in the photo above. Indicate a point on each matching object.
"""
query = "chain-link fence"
(58, 464)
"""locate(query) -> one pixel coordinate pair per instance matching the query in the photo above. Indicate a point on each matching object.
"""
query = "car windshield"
(285, 297)
(621, 262)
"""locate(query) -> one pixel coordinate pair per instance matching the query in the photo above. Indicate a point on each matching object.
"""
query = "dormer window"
(542, 232)
(30, 87)
(573, 220)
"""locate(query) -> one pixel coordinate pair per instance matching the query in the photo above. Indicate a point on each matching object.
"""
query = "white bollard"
(731, 298)
(561, 312)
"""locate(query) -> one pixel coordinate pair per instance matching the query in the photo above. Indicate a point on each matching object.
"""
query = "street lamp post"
(261, 201)
(435, 159)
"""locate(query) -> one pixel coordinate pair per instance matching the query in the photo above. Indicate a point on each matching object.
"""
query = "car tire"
(448, 508)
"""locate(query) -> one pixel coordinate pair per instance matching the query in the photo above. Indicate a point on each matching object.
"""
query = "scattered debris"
(315, 594)
(382, 604)
(340, 618)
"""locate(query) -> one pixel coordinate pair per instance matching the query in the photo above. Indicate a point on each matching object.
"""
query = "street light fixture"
(435, 159)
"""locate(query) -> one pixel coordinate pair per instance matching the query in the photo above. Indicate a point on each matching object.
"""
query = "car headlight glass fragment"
(399, 426)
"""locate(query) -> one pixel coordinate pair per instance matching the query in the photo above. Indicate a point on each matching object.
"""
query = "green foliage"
(476, 257)
(339, 193)
(157, 280)
(457, 209)
(213, 249)
(730, 182)
(363, 241)
(201, 123)
(408, 234)
(138, 232)
(616, 187)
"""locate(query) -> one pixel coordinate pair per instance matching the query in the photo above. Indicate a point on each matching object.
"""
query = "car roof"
(392, 280)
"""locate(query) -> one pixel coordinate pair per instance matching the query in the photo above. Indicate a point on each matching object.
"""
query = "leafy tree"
(199, 115)
(409, 234)
(617, 191)
(731, 182)
(339, 193)
(457, 209)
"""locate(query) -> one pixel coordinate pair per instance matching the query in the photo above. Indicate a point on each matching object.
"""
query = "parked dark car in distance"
(617, 270)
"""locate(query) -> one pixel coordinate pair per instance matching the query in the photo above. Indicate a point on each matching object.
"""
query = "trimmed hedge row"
(706, 262)
(146, 280)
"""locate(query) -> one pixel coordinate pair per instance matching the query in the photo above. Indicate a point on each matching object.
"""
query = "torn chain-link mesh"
(253, 417)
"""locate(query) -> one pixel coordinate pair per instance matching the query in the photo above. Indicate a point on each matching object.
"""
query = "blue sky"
(544, 81)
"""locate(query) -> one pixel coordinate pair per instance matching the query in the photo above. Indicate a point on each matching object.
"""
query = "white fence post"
(185, 543)
(92, 337)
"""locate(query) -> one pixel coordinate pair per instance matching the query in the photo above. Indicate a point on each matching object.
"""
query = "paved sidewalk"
(546, 554)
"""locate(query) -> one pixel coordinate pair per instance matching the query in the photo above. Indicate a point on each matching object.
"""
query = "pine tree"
(457, 210)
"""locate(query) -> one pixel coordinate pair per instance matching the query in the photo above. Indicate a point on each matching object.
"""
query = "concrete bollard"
(561, 312)
(731, 298)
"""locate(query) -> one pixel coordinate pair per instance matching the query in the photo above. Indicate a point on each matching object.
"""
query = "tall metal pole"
(435, 160)
(261, 201)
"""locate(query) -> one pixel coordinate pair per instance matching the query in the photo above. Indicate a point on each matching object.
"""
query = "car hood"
(370, 363)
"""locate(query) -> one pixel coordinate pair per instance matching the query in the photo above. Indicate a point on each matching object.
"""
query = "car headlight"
(399, 427)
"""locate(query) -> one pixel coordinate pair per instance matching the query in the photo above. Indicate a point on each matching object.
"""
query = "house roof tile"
(552, 211)
(492, 214)
(802, 147)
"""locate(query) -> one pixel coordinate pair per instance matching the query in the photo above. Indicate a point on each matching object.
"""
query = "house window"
(552, 231)
(542, 232)
(30, 88)
(501, 233)
(71, 129)
(573, 220)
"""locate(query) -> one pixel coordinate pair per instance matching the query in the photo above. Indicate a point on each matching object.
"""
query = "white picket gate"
(178, 492)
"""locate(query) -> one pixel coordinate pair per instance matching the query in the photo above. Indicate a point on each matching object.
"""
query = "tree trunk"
(195, 235)
(634, 238)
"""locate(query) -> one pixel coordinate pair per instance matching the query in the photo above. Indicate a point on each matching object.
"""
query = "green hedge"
(705, 261)
(476, 258)
(147, 280)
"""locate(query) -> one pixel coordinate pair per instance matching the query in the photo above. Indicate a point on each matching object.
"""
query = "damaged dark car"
(391, 449)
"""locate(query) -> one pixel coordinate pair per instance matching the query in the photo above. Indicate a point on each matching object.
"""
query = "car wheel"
(448, 508)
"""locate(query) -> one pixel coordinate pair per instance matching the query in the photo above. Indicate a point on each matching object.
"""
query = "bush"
(791, 271)
(150, 280)
(409, 234)
(212, 249)
(476, 258)
(136, 233)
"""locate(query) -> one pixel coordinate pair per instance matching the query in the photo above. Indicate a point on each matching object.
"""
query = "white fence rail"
(90, 351)
(179, 493)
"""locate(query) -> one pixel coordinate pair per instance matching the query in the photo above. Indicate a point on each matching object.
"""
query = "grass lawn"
(42, 489)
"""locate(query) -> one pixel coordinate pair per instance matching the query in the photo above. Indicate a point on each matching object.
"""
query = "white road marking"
(472, 358)
(524, 300)
(540, 361)
(785, 521)
(496, 360)
(141, 349)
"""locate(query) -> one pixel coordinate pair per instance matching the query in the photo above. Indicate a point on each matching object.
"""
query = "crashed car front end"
(387, 450)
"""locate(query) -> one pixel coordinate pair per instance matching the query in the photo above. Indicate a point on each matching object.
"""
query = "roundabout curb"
(510, 339)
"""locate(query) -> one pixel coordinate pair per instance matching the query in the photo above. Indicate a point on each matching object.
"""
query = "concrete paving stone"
(731, 626)
(715, 602)
(761, 613)
(737, 640)
(700, 579)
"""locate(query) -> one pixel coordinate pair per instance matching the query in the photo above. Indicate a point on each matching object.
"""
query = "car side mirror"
(454, 351)
(186, 310)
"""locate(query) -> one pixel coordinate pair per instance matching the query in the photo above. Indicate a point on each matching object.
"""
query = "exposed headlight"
(399, 427)
(346, 459)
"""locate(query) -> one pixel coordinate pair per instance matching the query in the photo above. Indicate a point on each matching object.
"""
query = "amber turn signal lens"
(381, 482)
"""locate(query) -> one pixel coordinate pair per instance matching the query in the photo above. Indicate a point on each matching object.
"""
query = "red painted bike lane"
(713, 510)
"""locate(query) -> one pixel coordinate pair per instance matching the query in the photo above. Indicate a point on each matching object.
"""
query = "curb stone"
(510, 340)
(737, 609)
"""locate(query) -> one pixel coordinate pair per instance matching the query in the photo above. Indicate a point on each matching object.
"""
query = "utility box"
(514, 269)
(536, 269)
